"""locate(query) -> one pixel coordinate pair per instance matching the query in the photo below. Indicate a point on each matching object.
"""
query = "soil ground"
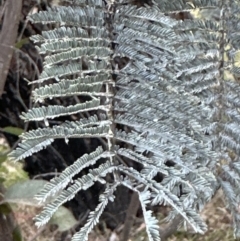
(215, 215)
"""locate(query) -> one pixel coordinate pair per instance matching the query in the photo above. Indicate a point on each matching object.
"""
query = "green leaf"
(13, 130)
(20, 43)
(17, 236)
(64, 219)
(3, 152)
(24, 192)
(3, 157)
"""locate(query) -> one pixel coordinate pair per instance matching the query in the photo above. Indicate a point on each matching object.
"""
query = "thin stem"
(130, 217)
(171, 228)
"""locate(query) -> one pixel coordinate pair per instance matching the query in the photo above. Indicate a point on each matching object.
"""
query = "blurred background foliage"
(10, 172)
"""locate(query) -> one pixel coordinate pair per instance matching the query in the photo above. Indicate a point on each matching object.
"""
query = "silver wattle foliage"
(177, 99)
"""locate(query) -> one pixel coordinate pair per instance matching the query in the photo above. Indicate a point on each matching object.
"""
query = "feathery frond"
(161, 89)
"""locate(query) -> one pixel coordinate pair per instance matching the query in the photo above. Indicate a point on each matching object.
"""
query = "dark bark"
(8, 35)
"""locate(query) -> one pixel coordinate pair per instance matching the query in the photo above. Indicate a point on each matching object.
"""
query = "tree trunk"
(8, 36)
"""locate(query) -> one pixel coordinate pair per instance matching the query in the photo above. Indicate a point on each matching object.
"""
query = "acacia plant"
(154, 89)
